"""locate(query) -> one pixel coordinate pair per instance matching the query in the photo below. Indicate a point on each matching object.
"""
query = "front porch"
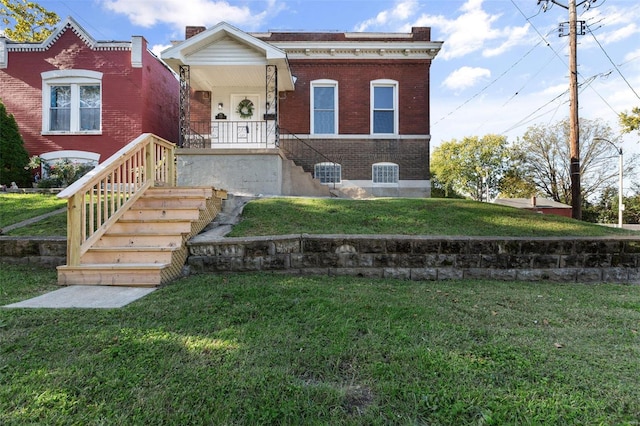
(230, 86)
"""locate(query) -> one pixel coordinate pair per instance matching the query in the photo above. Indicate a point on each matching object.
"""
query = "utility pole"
(574, 126)
(574, 131)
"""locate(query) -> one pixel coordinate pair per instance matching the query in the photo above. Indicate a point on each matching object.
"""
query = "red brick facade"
(136, 98)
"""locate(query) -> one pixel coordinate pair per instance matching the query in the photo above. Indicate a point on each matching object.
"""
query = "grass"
(280, 216)
(15, 208)
(272, 349)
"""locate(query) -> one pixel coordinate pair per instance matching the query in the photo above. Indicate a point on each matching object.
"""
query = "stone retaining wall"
(407, 257)
(610, 259)
(45, 251)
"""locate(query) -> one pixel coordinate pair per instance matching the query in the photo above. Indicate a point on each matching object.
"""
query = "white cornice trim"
(360, 50)
(68, 24)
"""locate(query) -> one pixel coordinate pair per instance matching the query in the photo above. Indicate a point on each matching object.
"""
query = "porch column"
(271, 107)
(185, 110)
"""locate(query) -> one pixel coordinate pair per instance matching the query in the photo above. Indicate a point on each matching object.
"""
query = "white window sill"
(67, 133)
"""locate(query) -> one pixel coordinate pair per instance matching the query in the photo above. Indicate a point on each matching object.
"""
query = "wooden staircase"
(146, 246)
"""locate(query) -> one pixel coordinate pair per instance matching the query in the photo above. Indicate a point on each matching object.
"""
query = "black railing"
(223, 132)
(307, 157)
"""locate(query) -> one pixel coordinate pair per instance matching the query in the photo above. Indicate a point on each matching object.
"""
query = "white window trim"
(384, 164)
(73, 78)
(396, 121)
(324, 83)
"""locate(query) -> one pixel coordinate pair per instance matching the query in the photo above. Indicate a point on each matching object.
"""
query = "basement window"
(328, 172)
(385, 173)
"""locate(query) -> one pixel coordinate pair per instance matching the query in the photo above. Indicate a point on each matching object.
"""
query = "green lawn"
(274, 349)
(407, 216)
(15, 208)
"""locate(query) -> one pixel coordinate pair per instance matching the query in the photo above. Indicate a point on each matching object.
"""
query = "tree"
(545, 150)
(472, 166)
(514, 183)
(630, 121)
(13, 155)
(26, 20)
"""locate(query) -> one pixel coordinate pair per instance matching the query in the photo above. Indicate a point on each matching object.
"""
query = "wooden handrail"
(102, 196)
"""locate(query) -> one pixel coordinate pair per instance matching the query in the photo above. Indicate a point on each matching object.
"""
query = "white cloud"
(396, 16)
(472, 30)
(181, 13)
(158, 48)
(465, 77)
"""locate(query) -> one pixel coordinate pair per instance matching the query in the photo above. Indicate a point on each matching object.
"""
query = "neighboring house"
(537, 204)
(352, 109)
(79, 98)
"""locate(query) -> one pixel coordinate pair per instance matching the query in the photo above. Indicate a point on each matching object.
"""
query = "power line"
(612, 63)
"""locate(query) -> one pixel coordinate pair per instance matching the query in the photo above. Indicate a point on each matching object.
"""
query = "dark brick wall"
(356, 156)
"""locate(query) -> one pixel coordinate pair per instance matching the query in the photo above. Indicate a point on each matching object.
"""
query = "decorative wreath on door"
(245, 108)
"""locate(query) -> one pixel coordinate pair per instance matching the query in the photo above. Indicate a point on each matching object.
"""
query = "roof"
(528, 203)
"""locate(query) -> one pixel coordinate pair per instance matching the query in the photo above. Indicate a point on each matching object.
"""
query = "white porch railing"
(233, 134)
(99, 198)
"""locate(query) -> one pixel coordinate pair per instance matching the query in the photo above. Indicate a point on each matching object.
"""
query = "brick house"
(349, 109)
(79, 98)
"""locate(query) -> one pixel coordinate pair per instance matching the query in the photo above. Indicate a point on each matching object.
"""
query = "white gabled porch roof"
(226, 56)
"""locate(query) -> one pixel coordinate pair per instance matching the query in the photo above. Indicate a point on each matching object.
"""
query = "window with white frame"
(328, 172)
(384, 107)
(385, 173)
(71, 101)
(324, 107)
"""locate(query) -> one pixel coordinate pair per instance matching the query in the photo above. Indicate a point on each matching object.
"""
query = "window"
(328, 172)
(72, 101)
(384, 101)
(386, 173)
(324, 105)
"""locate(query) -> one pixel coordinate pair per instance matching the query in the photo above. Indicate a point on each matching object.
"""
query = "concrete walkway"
(85, 296)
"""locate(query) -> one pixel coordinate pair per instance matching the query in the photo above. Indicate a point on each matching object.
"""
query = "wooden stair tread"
(114, 266)
(134, 248)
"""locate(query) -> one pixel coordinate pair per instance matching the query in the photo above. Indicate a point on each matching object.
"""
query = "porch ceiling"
(207, 77)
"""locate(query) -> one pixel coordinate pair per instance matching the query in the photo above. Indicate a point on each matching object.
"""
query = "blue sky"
(503, 66)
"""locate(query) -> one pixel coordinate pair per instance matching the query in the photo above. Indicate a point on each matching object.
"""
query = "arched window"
(324, 107)
(384, 107)
(71, 101)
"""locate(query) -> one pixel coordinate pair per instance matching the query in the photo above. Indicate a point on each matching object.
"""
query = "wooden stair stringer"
(147, 229)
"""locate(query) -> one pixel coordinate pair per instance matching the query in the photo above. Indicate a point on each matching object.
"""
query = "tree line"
(537, 164)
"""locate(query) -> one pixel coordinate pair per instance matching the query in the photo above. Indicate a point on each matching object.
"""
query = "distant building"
(75, 97)
(536, 204)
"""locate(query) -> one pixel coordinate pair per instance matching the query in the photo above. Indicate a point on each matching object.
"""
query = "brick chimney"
(191, 31)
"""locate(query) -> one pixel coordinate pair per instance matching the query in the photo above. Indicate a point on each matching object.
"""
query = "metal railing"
(306, 156)
(241, 134)
(102, 196)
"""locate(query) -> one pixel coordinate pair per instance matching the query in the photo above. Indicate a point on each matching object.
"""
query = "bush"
(61, 173)
(13, 155)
